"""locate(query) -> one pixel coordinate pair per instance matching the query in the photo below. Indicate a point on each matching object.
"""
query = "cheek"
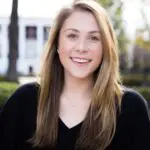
(62, 57)
(98, 53)
(63, 47)
(61, 44)
(63, 53)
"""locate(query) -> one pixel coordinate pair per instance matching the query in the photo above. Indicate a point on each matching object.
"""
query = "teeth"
(80, 60)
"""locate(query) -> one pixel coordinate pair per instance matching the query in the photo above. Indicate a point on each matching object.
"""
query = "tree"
(115, 9)
(147, 25)
(146, 42)
(140, 40)
(12, 74)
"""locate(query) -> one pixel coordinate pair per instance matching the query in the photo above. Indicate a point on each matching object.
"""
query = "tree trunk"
(12, 74)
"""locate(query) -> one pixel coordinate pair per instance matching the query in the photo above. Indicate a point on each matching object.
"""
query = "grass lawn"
(6, 89)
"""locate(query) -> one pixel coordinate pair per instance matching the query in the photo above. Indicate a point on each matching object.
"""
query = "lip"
(80, 63)
(81, 58)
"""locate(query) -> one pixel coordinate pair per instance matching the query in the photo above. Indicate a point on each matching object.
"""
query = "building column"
(22, 38)
(40, 40)
(4, 48)
(5, 41)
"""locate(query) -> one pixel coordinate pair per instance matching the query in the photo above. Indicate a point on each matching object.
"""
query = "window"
(31, 41)
(31, 32)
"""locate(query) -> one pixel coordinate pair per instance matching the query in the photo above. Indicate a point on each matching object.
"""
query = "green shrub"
(145, 91)
(2, 78)
(134, 79)
(6, 89)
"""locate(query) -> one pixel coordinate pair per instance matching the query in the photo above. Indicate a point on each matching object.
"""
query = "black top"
(18, 123)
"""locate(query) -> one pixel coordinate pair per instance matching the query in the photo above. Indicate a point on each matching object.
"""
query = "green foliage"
(141, 42)
(115, 9)
(134, 79)
(2, 78)
(106, 3)
(6, 89)
(145, 91)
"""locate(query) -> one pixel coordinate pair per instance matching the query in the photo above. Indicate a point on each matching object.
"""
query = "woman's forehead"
(81, 21)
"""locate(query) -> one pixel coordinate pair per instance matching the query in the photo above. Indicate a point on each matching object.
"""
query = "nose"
(81, 46)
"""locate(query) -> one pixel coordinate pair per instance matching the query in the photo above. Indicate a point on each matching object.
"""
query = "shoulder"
(27, 88)
(133, 102)
(25, 94)
(18, 114)
(133, 124)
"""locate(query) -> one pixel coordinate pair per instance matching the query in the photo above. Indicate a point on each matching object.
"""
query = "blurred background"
(24, 27)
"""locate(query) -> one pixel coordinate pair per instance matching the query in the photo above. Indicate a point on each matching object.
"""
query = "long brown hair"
(99, 125)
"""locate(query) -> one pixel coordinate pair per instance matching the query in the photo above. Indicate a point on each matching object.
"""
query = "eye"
(94, 38)
(72, 36)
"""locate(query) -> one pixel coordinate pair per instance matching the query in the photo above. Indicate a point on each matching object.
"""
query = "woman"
(79, 102)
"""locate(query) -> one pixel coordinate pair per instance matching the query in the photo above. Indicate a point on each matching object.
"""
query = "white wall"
(23, 61)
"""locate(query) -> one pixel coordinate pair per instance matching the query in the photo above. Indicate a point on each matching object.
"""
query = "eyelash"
(94, 38)
(72, 36)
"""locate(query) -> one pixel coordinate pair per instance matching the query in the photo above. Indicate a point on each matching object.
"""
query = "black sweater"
(18, 123)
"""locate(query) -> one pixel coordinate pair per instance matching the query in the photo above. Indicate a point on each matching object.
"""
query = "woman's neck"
(78, 88)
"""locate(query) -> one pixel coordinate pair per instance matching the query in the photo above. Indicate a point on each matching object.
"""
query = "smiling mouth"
(80, 60)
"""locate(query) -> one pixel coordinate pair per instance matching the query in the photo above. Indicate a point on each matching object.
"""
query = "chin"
(81, 76)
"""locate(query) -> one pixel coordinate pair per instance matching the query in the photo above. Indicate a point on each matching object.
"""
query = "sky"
(48, 8)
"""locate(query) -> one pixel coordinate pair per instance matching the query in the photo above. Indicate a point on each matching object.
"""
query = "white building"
(33, 33)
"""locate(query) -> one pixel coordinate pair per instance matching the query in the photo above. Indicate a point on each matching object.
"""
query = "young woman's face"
(80, 47)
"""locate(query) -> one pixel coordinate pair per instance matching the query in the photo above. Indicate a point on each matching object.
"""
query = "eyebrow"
(75, 30)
